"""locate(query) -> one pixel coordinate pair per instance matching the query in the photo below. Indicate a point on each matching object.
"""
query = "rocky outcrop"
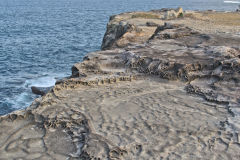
(116, 31)
(161, 88)
(122, 31)
(170, 13)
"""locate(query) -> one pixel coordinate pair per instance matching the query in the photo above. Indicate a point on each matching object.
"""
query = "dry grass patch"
(145, 15)
(228, 19)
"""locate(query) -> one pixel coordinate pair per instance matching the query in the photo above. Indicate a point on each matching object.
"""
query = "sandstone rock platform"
(165, 86)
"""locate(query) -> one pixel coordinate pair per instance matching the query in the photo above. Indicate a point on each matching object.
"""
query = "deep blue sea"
(40, 40)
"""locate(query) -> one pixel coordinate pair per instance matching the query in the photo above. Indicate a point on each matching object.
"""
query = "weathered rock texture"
(128, 28)
(165, 86)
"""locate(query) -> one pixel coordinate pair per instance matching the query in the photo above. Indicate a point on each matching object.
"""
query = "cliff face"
(130, 28)
(165, 86)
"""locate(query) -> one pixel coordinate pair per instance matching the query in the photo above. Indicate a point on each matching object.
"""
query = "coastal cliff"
(166, 85)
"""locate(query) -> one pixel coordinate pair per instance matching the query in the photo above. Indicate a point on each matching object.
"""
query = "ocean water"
(40, 40)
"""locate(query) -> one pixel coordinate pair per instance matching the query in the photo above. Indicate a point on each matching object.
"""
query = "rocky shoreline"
(166, 85)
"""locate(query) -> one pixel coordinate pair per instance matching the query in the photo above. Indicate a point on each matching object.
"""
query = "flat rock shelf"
(164, 86)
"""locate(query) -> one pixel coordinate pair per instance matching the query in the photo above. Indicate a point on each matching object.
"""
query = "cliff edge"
(165, 86)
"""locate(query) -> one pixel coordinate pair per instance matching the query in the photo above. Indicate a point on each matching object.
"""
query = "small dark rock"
(40, 90)
(152, 24)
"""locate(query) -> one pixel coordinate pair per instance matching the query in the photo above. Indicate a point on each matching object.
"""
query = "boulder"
(173, 13)
(40, 90)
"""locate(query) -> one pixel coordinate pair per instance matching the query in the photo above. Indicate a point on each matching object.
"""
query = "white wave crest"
(236, 2)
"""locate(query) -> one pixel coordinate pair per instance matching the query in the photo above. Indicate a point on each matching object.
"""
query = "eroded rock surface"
(162, 88)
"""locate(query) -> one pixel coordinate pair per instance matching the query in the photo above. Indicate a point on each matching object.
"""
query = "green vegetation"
(180, 15)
